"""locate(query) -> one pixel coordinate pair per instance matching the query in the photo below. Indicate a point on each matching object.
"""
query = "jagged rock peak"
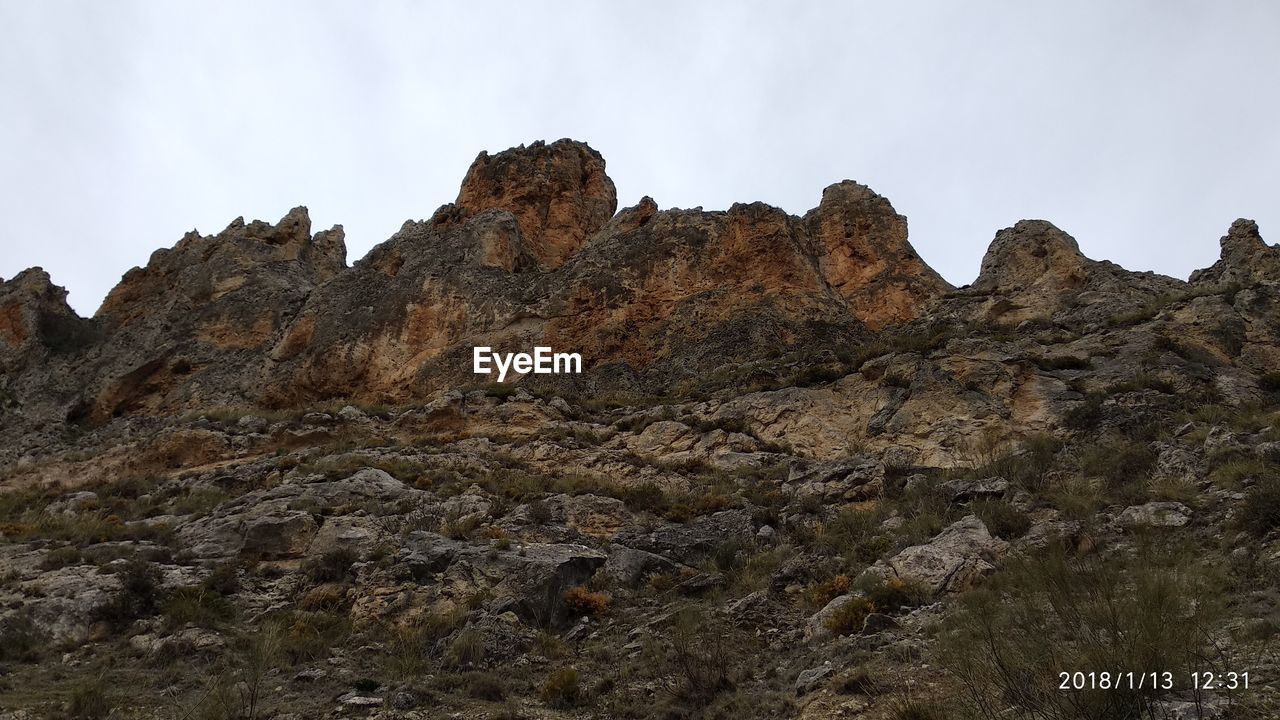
(559, 194)
(1245, 258)
(35, 319)
(201, 266)
(864, 255)
(1034, 270)
(1032, 252)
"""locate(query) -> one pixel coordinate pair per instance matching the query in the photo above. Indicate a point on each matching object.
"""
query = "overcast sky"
(1141, 128)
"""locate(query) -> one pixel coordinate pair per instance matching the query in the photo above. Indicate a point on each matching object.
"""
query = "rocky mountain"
(801, 475)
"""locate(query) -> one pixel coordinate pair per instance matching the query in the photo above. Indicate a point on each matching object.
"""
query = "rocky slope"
(801, 477)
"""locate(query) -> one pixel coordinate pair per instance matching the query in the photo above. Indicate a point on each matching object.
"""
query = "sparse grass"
(90, 700)
(466, 649)
(307, 635)
(1142, 381)
(1027, 464)
(1063, 362)
(196, 605)
(859, 681)
(549, 645)
(1153, 307)
(411, 646)
(1231, 470)
(406, 470)
(915, 709)
(755, 571)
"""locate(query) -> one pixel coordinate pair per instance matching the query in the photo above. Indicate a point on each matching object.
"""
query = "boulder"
(1156, 515)
(955, 559)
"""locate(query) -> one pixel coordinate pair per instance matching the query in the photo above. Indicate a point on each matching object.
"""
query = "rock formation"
(1246, 259)
(801, 476)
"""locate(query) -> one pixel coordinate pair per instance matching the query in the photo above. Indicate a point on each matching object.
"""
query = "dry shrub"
(582, 601)
(824, 592)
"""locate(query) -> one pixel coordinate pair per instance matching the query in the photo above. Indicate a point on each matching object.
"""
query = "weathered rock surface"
(958, 557)
(558, 194)
(1156, 514)
(1033, 270)
(1246, 259)
(36, 322)
(789, 426)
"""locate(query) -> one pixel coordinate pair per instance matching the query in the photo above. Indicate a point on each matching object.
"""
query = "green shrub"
(20, 638)
(331, 566)
(646, 497)
(223, 580)
(891, 595)
(849, 617)
(1260, 513)
(1086, 415)
(562, 689)
(1270, 382)
(1142, 612)
(853, 533)
(697, 654)
(1118, 461)
(1001, 518)
(484, 686)
(539, 513)
(61, 557)
(139, 595)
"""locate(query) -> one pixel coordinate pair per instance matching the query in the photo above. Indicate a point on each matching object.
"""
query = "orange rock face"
(558, 193)
(864, 255)
(531, 253)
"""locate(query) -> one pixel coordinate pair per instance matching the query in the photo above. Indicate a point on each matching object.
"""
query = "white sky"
(1142, 128)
